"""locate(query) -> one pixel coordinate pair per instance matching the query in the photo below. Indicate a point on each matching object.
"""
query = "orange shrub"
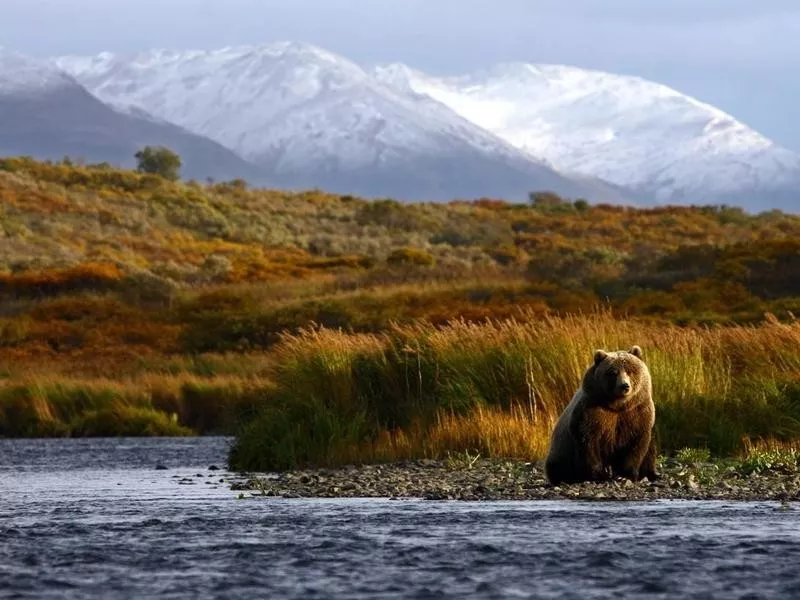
(83, 277)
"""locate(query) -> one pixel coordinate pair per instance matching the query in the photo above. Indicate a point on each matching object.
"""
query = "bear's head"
(616, 376)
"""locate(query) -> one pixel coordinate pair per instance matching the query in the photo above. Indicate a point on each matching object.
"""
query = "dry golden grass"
(484, 431)
(752, 447)
(497, 388)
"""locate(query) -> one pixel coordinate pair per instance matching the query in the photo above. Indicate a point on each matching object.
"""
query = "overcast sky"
(740, 55)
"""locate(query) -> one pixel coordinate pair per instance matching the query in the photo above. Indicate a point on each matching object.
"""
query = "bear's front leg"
(597, 468)
(588, 439)
(633, 465)
(648, 468)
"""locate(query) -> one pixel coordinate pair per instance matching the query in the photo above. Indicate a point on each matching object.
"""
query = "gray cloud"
(739, 55)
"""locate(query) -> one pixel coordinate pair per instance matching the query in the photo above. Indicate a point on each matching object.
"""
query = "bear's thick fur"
(606, 430)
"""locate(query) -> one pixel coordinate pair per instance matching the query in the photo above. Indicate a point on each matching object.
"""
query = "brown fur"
(607, 430)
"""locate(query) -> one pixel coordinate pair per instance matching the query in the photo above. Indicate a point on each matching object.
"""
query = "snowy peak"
(239, 63)
(627, 130)
(310, 116)
(20, 74)
(398, 76)
(258, 99)
(233, 95)
(292, 107)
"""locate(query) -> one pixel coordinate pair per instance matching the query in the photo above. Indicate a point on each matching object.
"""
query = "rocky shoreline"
(488, 480)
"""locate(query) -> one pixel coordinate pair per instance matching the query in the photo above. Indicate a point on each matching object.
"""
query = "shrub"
(410, 256)
(159, 161)
(581, 205)
(14, 331)
(83, 277)
(546, 199)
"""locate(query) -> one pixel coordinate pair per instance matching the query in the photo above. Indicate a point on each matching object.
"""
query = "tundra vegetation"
(324, 329)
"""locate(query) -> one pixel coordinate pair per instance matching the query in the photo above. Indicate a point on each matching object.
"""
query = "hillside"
(46, 114)
(439, 260)
(132, 305)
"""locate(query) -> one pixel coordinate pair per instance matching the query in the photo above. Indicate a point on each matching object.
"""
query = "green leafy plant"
(158, 160)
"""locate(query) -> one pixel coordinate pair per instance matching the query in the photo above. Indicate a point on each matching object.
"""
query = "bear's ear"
(636, 351)
(600, 356)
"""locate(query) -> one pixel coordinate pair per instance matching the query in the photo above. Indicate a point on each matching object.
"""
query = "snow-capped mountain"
(22, 75)
(47, 114)
(632, 132)
(313, 118)
(308, 117)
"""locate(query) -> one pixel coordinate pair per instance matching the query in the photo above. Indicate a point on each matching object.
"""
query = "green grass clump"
(770, 455)
(781, 460)
(155, 405)
(127, 421)
(690, 456)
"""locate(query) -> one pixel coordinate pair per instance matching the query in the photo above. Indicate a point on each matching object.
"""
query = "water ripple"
(72, 526)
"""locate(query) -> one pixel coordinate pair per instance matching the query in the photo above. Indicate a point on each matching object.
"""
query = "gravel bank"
(510, 480)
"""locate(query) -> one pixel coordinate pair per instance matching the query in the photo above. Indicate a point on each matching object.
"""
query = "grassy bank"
(496, 389)
(48, 406)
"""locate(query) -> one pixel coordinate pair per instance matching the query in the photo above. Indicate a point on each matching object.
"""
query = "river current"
(146, 518)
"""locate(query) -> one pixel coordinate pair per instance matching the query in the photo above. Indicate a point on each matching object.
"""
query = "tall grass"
(151, 405)
(497, 388)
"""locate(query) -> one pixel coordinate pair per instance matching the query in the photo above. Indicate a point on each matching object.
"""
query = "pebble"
(513, 480)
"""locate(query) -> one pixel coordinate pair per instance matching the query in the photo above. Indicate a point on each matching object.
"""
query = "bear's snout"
(623, 387)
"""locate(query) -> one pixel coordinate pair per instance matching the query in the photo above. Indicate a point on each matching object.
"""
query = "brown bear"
(606, 430)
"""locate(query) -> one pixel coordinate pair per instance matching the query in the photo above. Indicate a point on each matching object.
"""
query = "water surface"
(95, 518)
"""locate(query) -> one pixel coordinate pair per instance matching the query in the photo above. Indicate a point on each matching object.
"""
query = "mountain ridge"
(47, 114)
(296, 115)
(313, 118)
(615, 127)
(647, 141)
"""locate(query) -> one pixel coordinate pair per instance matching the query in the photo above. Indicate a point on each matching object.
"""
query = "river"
(97, 518)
